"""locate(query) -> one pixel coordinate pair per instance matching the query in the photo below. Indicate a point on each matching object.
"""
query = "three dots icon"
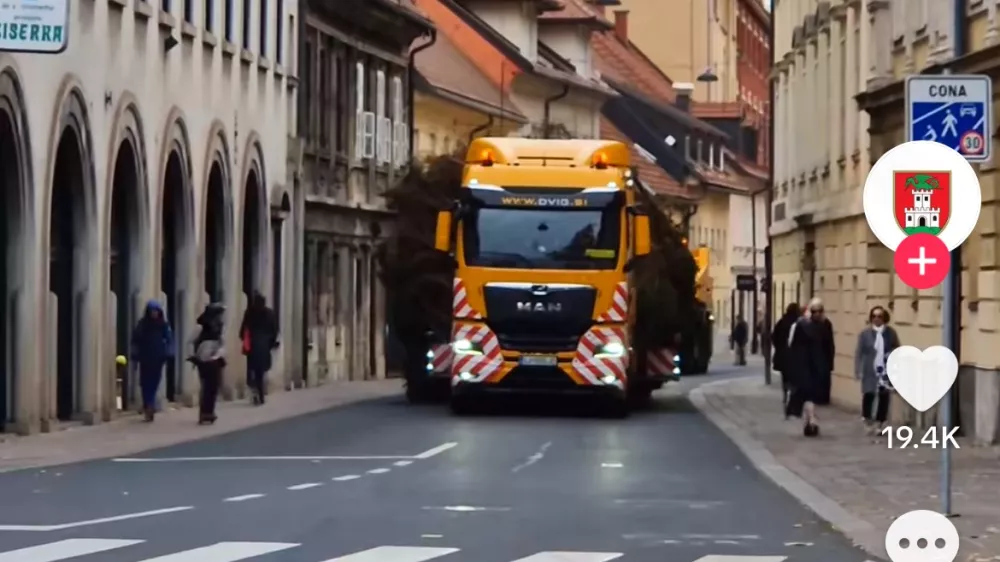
(922, 536)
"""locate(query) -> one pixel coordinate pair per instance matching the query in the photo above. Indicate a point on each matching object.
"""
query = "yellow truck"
(696, 349)
(542, 237)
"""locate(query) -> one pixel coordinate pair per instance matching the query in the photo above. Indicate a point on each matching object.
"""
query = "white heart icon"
(922, 377)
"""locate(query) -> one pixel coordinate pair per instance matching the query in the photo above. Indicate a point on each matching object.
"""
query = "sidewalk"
(855, 483)
(128, 434)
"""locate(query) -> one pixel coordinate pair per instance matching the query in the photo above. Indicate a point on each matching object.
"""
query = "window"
(165, 5)
(308, 92)
(324, 97)
(189, 11)
(230, 13)
(342, 126)
(246, 23)
(384, 140)
(279, 33)
(334, 289)
(209, 15)
(400, 128)
(262, 27)
(365, 124)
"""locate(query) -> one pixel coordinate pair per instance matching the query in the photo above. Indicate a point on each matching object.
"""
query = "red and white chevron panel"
(460, 302)
(660, 362)
(618, 311)
(479, 366)
(593, 368)
(441, 357)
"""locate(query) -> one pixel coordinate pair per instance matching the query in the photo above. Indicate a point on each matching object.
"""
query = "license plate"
(539, 361)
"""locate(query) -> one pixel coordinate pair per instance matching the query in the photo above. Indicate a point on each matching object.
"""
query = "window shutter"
(369, 134)
(359, 122)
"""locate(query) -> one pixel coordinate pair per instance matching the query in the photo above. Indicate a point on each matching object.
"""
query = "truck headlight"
(465, 347)
(677, 359)
(611, 349)
(711, 318)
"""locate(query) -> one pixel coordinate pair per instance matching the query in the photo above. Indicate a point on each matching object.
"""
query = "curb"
(861, 532)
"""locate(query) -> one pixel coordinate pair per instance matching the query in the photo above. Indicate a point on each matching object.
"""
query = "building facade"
(354, 120)
(454, 102)
(919, 37)
(820, 240)
(143, 162)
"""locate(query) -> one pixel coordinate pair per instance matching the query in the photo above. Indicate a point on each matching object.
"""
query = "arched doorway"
(125, 245)
(253, 229)
(173, 236)
(216, 213)
(12, 194)
(67, 257)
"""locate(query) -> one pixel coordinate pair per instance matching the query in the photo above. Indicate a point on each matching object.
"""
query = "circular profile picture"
(922, 187)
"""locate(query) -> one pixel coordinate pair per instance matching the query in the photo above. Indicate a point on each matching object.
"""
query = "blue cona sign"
(34, 26)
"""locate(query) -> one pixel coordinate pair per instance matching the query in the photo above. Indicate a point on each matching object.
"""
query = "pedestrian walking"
(826, 348)
(738, 338)
(209, 358)
(779, 339)
(152, 345)
(808, 364)
(259, 331)
(875, 343)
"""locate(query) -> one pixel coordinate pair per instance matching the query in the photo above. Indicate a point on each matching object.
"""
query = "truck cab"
(541, 236)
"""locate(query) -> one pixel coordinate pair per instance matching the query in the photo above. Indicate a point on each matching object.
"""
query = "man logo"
(539, 307)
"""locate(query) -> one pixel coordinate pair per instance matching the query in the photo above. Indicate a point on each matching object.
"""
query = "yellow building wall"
(441, 126)
(710, 228)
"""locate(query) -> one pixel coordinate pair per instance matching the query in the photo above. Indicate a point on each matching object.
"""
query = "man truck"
(696, 349)
(544, 235)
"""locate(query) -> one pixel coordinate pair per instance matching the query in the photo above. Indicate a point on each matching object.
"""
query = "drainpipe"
(411, 70)
(481, 128)
(548, 105)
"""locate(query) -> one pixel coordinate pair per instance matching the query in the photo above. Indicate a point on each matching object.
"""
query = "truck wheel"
(417, 392)
(619, 408)
(640, 395)
(460, 405)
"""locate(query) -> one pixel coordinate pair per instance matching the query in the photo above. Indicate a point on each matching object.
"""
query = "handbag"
(208, 351)
(246, 342)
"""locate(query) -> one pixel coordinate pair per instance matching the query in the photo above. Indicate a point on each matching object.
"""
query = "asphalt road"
(664, 485)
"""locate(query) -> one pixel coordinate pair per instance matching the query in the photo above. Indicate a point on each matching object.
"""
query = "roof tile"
(447, 68)
(649, 173)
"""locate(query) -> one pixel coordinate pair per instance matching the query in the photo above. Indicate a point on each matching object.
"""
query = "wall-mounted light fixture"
(169, 42)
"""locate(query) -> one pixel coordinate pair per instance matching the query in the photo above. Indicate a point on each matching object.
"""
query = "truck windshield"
(547, 238)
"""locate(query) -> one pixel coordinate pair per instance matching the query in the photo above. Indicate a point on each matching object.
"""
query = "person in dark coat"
(875, 343)
(739, 337)
(259, 330)
(828, 351)
(808, 364)
(209, 359)
(779, 339)
(152, 345)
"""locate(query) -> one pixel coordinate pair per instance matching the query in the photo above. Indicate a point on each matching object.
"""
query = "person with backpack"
(209, 358)
(259, 331)
(152, 345)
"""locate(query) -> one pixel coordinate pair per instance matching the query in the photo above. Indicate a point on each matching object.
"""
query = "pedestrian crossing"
(69, 549)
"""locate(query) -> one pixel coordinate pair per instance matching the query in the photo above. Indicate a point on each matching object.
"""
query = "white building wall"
(572, 42)
(217, 93)
(516, 21)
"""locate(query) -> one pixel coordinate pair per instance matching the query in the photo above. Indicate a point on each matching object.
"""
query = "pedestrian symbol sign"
(952, 110)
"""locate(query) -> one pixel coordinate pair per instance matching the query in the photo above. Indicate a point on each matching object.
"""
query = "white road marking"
(539, 455)
(425, 536)
(435, 451)
(305, 486)
(243, 498)
(347, 477)
(554, 556)
(402, 463)
(396, 554)
(281, 458)
(611, 465)
(225, 552)
(111, 519)
(463, 508)
(61, 550)
(736, 558)
(379, 470)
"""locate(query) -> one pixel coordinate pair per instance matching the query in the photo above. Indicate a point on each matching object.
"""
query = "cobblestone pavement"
(128, 434)
(853, 480)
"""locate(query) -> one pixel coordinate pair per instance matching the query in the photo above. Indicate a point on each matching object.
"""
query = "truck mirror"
(442, 234)
(641, 234)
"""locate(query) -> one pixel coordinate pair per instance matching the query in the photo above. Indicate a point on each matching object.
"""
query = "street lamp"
(708, 76)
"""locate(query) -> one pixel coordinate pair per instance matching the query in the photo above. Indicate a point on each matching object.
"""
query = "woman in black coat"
(259, 331)
(779, 337)
(809, 362)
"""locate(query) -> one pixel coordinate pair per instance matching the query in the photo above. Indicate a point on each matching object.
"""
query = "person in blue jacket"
(152, 346)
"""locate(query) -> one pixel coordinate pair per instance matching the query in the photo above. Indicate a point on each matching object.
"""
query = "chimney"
(684, 91)
(621, 25)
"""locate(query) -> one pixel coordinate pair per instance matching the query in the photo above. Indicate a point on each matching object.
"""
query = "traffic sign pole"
(949, 330)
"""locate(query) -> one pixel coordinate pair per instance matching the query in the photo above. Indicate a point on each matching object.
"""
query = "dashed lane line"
(305, 486)
(243, 498)
(347, 477)
(379, 470)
